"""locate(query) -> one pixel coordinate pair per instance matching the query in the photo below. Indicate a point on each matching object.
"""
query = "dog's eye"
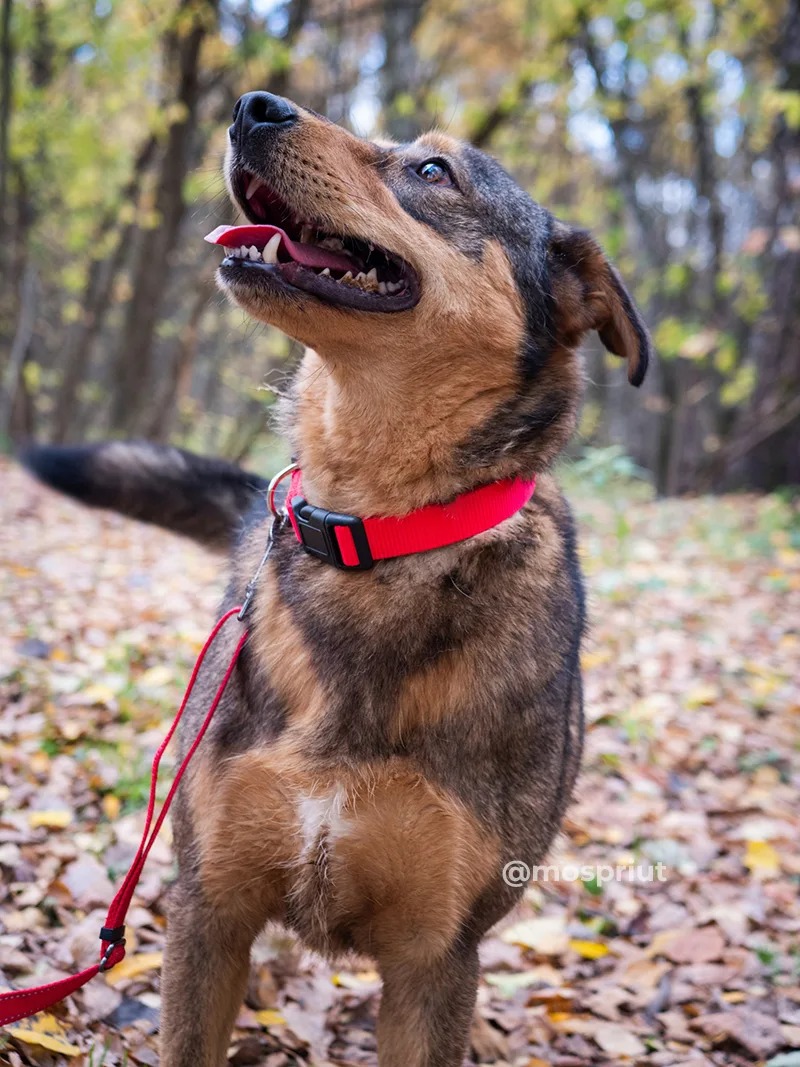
(435, 173)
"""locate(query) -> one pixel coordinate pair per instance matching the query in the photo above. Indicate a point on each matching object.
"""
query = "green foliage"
(604, 469)
(590, 107)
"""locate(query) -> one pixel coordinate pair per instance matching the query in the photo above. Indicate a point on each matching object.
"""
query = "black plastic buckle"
(115, 935)
(316, 529)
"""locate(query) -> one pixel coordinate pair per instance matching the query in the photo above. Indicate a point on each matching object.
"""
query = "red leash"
(18, 1004)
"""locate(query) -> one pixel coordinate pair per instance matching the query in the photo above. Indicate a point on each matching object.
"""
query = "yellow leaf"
(735, 996)
(358, 980)
(133, 966)
(702, 694)
(95, 694)
(595, 659)
(111, 807)
(546, 935)
(270, 1018)
(155, 677)
(761, 859)
(44, 1031)
(590, 950)
(53, 820)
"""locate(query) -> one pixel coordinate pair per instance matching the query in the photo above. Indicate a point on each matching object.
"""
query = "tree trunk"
(18, 356)
(96, 302)
(156, 244)
(179, 378)
(400, 70)
(774, 459)
(6, 61)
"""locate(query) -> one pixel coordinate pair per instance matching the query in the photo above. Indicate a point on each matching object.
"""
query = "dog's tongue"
(307, 255)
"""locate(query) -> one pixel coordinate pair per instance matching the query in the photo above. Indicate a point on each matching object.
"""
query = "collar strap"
(354, 544)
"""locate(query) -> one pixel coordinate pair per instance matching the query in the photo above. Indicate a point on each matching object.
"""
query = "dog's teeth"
(373, 275)
(306, 235)
(253, 187)
(327, 272)
(270, 253)
(347, 279)
(244, 252)
(382, 288)
(254, 252)
(394, 286)
(334, 243)
(360, 278)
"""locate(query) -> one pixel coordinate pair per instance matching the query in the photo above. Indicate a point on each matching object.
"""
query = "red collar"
(351, 543)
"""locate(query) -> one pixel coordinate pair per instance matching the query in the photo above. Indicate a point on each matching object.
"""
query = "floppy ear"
(589, 295)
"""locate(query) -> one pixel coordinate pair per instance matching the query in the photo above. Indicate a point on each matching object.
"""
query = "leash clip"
(105, 960)
(278, 521)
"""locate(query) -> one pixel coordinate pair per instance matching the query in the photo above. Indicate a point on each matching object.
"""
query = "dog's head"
(424, 256)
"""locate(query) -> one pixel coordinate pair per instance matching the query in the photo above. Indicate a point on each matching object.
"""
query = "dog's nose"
(255, 110)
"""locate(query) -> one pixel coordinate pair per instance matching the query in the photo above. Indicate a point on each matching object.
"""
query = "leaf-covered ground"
(693, 707)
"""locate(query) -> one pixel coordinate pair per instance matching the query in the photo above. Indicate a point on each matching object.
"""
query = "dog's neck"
(389, 441)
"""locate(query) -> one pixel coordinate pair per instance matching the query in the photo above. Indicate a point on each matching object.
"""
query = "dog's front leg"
(203, 978)
(426, 1010)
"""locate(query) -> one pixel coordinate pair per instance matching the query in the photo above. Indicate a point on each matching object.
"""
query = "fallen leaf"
(700, 945)
(758, 1034)
(51, 820)
(762, 859)
(45, 1031)
(132, 966)
(618, 1040)
(268, 1018)
(589, 950)
(546, 935)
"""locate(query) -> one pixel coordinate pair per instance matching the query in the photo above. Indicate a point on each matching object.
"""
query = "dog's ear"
(589, 295)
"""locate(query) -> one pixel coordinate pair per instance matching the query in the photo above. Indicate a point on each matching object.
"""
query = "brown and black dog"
(394, 736)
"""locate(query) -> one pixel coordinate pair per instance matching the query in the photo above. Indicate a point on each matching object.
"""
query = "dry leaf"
(589, 950)
(45, 1031)
(133, 966)
(268, 1018)
(52, 820)
(546, 935)
(762, 859)
(618, 1040)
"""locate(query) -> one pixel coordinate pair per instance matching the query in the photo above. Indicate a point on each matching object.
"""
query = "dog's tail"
(196, 496)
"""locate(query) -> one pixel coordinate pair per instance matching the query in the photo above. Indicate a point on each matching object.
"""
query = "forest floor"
(693, 705)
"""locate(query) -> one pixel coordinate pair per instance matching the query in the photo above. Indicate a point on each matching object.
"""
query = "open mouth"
(340, 269)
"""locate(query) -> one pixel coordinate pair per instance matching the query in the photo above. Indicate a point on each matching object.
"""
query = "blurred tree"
(671, 129)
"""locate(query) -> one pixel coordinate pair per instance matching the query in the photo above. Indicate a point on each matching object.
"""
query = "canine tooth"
(382, 288)
(254, 252)
(373, 275)
(270, 253)
(253, 187)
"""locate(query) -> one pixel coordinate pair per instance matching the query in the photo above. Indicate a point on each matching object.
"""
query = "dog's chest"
(322, 819)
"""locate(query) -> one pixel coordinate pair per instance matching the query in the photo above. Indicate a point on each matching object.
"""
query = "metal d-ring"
(273, 485)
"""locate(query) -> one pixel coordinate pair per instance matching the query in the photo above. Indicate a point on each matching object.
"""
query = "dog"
(392, 736)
